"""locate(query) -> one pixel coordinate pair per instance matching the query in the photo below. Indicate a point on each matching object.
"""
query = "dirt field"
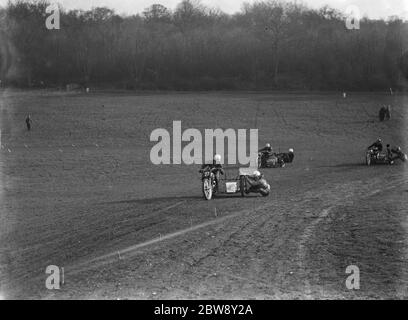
(79, 191)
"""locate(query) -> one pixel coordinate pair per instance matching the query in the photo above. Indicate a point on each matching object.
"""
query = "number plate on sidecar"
(231, 187)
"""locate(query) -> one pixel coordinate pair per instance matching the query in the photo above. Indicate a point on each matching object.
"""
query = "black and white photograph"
(203, 150)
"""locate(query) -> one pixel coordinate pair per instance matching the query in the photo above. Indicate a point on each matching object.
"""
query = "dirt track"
(79, 191)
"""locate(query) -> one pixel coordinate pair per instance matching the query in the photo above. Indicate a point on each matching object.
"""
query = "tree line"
(267, 45)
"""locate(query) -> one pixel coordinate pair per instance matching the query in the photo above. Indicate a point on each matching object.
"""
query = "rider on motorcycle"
(397, 151)
(286, 157)
(376, 146)
(254, 181)
(266, 149)
(291, 155)
(215, 167)
(389, 152)
(265, 152)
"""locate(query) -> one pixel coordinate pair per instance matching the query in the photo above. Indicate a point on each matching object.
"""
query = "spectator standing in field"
(388, 113)
(28, 122)
(381, 114)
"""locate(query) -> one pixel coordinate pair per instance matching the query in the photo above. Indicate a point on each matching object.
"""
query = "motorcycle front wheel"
(368, 159)
(259, 162)
(207, 189)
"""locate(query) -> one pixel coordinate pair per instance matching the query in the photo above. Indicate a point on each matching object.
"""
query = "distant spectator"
(388, 112)
(28, 122)
(381, 114)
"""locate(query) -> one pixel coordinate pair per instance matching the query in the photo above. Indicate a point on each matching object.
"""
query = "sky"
(370, 8)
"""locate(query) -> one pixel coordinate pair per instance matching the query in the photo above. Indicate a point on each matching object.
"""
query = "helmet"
(291, 150)
(217, 158)
(379, 140)
(399, 149)
(268, 145)
(257, 173)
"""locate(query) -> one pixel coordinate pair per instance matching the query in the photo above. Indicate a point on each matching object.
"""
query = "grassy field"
(79, 191)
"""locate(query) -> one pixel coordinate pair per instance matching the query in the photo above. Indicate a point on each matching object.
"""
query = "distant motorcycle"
(275, 160)
(373, 156)
(270, 160)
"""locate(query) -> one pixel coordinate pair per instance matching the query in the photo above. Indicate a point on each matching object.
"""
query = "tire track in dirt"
(240, 244)
(157, 212)
(135, 249)
(236, 238)
(325, 213)
(65, 237)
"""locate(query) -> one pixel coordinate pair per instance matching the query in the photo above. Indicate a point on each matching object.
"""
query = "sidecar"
(231, 181)
(240, 183)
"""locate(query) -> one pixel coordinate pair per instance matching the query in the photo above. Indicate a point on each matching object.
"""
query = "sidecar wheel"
(264, 193)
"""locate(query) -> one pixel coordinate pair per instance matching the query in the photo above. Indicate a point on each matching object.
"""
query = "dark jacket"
(265, 149)
(377, 145)
(290, 156)
(217, 167)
